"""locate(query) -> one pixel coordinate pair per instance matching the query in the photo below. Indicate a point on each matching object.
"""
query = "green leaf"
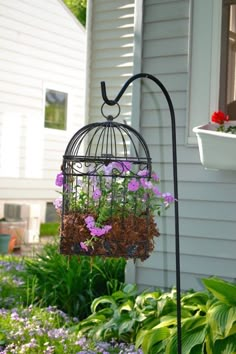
(222, 290)
(152, 337)
(225, 346)
(101, 301)
(221, 318)
(190, 339)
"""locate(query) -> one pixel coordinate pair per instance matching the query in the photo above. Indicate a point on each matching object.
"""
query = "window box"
(216, 149)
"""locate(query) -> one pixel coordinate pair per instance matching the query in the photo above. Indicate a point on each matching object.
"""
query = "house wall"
(160, 45)
(110, 54)
(207, 199)
(42, 46)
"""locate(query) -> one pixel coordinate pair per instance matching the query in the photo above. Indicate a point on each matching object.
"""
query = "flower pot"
(216, 149)
(4, 243)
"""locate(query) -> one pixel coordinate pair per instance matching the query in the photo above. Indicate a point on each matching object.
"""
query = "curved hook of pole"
(175, 180)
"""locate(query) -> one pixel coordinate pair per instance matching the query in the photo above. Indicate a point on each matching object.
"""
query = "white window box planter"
(217, 150)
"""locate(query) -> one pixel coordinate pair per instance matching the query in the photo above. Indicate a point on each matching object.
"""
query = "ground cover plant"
(122, 320)
(26, 328)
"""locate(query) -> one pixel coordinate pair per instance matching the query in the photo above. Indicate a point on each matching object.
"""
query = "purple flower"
(133, 185)
(145, 183)
(108, 169)
(155, 177)
(89, 221)
(143, 173)
(84, 246)
(97, 231)
(97, 194)
(123, 166)
(156, 191)
(168, 198)
(107, 228)
(59, 179)
(58, 204)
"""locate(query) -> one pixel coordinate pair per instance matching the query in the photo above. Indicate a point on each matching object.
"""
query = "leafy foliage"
(71, 283)
(78, 8)
(149, 319)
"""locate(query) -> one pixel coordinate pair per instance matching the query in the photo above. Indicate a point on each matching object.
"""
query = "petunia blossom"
(89, 220)
(133, 185)
(97, 194)
(59, 179)
(58, 203)
(122, 166)
(156, 191)
(168, 198)
(84, 246)
(146, 184)
(143, 173)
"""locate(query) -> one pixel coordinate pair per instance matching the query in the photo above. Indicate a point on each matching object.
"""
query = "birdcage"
(108, 193)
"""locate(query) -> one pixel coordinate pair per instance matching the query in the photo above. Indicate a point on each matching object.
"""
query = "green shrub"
(69, 282)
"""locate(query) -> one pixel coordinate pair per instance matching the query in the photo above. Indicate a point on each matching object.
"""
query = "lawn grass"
(49, 229)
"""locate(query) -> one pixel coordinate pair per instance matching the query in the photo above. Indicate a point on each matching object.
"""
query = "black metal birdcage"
(104, 211)
(105, 167)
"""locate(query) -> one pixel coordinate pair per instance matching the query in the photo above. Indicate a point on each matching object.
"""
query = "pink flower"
(97, 194)
(133, 185)
(84, 246)
(59, 179)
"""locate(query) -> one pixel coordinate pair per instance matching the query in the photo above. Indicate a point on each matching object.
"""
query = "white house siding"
(41, 46)
(110, 54)
(207, 199)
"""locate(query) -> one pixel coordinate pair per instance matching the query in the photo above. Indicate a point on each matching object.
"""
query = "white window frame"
(204, 63)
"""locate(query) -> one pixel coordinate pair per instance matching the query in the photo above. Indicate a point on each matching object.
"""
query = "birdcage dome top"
(105, 142)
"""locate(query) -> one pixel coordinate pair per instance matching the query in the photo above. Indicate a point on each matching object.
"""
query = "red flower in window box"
(219, 117)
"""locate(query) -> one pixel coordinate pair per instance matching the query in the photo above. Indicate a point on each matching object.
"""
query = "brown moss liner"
(132, 237)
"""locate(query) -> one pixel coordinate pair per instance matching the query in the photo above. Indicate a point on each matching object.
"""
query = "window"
(227, 97)
(55, 109)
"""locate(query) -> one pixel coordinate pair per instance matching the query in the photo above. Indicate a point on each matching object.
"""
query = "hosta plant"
(149, 319)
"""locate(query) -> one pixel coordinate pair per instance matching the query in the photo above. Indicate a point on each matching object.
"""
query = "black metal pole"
(175, 181)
